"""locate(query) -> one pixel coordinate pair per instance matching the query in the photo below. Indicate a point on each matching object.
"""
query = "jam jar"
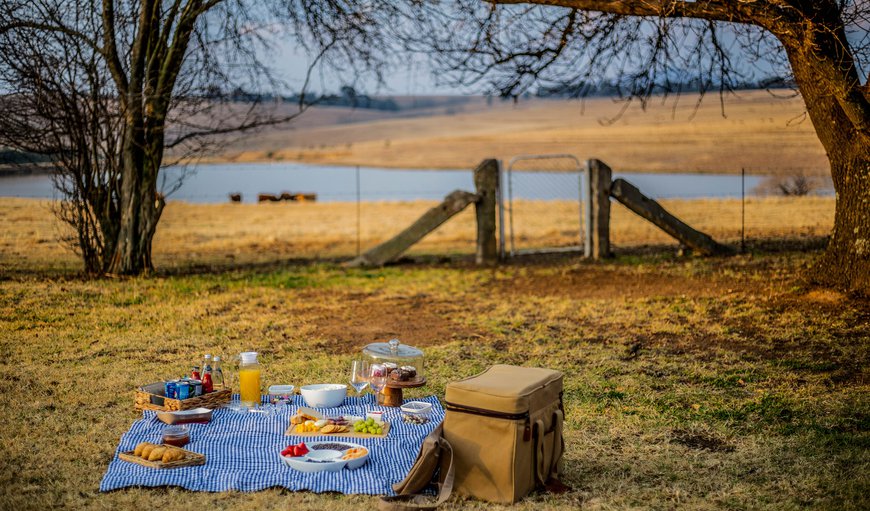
(179, 436)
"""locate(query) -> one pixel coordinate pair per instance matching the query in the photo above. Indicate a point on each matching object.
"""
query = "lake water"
(213, 183)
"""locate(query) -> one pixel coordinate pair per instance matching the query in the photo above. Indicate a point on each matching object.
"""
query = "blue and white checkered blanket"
(243, 453)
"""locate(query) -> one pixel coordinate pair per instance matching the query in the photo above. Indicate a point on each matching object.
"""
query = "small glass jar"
(281, 395)
(179, 436)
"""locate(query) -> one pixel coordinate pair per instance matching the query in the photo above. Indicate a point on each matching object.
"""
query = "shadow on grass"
(630, 255)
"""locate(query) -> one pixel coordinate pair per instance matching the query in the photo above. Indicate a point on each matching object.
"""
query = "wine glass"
(359, 377)
(377, 379)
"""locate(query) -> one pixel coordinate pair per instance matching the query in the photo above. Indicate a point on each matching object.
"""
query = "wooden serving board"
(291, 431)
(191, 459)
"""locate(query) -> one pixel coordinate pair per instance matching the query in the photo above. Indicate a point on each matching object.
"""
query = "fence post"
(598, 177)
(486, 186)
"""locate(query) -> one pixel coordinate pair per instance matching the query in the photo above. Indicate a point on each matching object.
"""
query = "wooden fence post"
(598, 176)
(486, 186)
(391, 249)
(633, 199)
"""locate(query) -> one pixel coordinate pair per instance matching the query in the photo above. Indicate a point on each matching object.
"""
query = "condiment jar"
(179, 436)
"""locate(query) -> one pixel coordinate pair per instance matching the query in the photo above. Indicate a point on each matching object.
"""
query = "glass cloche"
(403, 364)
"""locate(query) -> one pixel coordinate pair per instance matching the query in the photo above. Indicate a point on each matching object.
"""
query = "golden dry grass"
(249, 233)
(763, 133)
(749, 389)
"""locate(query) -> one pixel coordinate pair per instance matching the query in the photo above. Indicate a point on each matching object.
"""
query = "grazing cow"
(267, 197)
(287, 196)
(235, 197)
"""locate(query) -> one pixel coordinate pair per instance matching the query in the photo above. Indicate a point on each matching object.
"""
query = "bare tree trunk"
(839, 110)
(141, 207)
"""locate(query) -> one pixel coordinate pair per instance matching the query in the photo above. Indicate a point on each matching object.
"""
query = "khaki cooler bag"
(505, 427)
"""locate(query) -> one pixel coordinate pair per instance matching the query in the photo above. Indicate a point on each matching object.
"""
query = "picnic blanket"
(243, 453)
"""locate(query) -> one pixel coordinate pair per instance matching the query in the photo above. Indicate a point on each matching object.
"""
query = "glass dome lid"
(392, 350)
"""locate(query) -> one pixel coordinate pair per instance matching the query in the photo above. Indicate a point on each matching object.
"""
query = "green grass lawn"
(700, 384)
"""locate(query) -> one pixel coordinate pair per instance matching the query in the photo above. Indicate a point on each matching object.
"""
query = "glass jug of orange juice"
(249, 379)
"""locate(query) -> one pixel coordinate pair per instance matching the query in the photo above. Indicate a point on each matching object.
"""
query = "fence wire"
(544, 204)
(353, 215)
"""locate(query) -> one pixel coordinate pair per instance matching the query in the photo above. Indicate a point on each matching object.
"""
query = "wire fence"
(356, 209)
(546, 214)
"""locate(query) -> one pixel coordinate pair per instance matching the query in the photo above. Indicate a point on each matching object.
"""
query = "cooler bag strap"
(543, 475)
(558, 441)
(540, 472)
(418, 502)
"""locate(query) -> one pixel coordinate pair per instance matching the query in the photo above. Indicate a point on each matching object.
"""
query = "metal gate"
(540, 195)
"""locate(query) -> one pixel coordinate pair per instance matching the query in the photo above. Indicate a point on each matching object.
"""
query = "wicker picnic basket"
(148, 401)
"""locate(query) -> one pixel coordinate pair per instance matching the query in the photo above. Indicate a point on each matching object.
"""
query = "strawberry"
(301, 449)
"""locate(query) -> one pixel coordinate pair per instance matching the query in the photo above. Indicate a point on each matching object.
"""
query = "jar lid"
(393, 349)
(281, 389)
(249, 357)
(416, 407)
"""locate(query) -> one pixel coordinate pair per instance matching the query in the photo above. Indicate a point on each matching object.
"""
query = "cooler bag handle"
(558, 440)
(540, 476)
(416, 502)
(542, 473)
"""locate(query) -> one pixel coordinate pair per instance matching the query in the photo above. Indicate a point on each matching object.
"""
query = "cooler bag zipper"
(527, 432)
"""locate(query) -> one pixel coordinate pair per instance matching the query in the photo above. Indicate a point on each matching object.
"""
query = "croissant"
(172, 455)
(146, 450)
(156, 453)
(140, 447)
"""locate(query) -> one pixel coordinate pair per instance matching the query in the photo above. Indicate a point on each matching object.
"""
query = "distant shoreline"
(25, 170)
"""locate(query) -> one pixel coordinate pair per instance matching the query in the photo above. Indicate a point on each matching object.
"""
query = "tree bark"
(829, 84)
(141, 207)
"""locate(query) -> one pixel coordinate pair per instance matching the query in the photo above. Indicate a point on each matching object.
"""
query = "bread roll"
(173, 454)
(139, 447)
(146, 450)
(157, 453)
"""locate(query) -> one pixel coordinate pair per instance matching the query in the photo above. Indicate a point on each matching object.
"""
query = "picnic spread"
(243, 452)
(498, 436)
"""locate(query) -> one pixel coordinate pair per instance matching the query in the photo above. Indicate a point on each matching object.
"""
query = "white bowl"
(311, 463)
(324, 395)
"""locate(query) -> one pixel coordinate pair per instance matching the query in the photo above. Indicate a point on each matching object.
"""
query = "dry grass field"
(763, 133)
(690, 383)
(231, 234)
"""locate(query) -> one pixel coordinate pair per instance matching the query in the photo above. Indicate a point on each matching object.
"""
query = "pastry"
(146, 450)
(404, 373)
(140, 447)
(172, 454)
(157, 453)
(300, 418)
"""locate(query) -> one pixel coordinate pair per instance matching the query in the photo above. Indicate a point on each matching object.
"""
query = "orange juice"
(249, 385)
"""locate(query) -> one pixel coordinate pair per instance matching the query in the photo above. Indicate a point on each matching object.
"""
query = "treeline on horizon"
(348, 96)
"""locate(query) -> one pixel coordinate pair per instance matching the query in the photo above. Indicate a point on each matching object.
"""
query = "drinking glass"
(377, 379)
(359, 378)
